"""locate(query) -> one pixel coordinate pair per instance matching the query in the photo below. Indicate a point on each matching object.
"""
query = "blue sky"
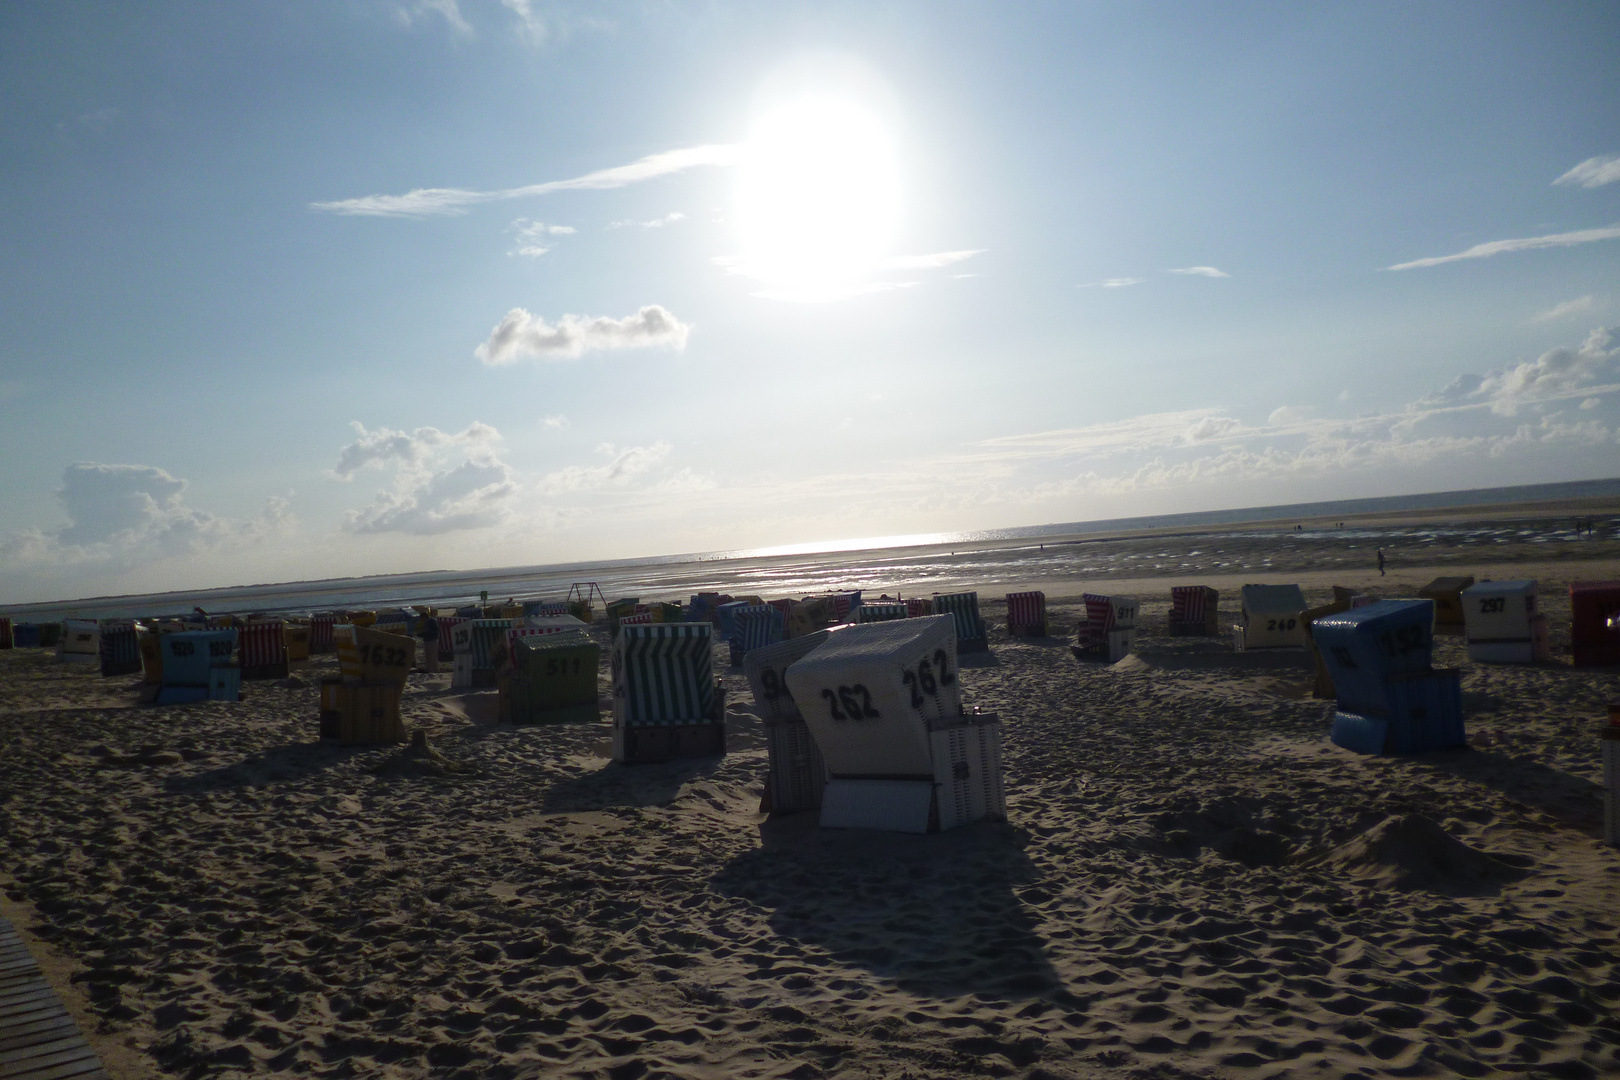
(683, 277)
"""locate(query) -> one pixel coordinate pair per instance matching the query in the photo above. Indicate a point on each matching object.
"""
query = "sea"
(1291, 537)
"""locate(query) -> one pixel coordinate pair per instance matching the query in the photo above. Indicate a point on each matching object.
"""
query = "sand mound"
(420, 759)
(1412, 852)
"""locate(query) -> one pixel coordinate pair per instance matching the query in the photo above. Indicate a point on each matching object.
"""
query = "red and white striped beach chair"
(263, 648)
(1026, 613)
(1193, 610)
(320, 633)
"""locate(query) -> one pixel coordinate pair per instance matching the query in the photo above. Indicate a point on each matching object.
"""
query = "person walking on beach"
(1380, 562)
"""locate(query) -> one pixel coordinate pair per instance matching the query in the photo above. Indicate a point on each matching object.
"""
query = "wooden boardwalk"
(38, 1039)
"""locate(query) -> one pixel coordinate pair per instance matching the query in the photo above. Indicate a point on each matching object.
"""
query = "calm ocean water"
(924, 563)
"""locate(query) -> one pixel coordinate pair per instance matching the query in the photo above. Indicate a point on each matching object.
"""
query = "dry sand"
(1193, 883)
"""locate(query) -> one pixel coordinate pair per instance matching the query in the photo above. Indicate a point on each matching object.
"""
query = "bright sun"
(819, 199)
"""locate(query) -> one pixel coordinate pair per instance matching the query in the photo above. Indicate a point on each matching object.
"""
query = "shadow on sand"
(1576, 802)
(937, 914)
(277, 764)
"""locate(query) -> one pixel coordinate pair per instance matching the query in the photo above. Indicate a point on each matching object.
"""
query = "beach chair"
(5, 633)
(551, 679)
(118, 647)
(1109, 628)
(1322, 684)
(197, 665)
(1502, 624)
(480, 646)
(795, 770)
(884, 705)
(1446, 592)
(1271, 618)
(918, 606)
(25, 635)
(1595, 623)
(753, 626)
(964, 609)
(881, 611)
(1389, 697)
(80, 642)
(263, 648)
(809, 616)
(666, 701)
(1194, 611)
(1026, 614)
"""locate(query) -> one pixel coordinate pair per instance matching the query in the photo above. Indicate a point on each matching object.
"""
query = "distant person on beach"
(430, 643)
(1380, 562)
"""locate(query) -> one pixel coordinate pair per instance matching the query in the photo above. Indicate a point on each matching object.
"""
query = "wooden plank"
(38, 1039)
(44, 1048)
(78, 1051)
(32, 1014)
(21, 999)
(83, 1069)
(40, 1030)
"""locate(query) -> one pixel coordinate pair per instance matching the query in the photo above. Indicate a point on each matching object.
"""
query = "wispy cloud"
(625, 465)
(1568, 307)
(1593, 172)
(521, 334)
(556, 422)
(424, 202)
(656, 223)
(1200, 271)
(530, 27)
(928, 262)
(1112, 283)
(532, 236)
(448, 10)
(1502, 247)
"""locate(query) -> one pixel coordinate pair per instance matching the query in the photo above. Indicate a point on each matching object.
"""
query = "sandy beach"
(1193, 882)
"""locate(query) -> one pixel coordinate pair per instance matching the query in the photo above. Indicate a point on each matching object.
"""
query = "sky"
(326, 289)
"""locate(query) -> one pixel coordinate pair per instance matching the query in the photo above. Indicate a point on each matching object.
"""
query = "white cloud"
(1555, 374)
(426, 201)
(1112, 283)
(1213, 427)
(448, 10)
(557, 422)
(627, 463)
(1593, 172)
(532, 236)
(928, 262)
(531, 29)
(123, 516)
(1201, 271)
(472, 495)
(442, 482)
(1591, 402)
(521, 334)
(656, 223)
(411, 449)
(1499, 247)
(1288, 415)
(1568, 307)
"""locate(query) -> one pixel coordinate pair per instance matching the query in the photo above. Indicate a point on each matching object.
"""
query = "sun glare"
(819, 197)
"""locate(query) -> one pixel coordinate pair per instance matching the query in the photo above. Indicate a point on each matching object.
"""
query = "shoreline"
(675, 576)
